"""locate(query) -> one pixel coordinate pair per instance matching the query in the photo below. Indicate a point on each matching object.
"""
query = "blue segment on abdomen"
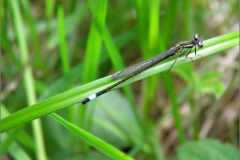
(92, 97)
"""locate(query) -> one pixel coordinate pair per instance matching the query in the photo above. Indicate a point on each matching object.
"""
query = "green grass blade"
(175, 110)
(93, 47)
(63, 44)
(167, 79)
(28, 79)
(142, 10)
(38, 59)
(92, 57)
(94, 43)
(150, 84)
(168, 21)
(153, 34)
(166, 30)
(5, 42)
(97, 143)
(64, 54)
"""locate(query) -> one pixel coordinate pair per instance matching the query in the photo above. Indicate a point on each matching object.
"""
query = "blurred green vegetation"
(55, 53)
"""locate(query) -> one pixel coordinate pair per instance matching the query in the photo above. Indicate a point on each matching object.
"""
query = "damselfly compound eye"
(200, 44)
(196, 37)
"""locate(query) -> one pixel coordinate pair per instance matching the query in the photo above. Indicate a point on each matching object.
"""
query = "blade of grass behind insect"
(175, 111)
(94, 42)
(38, 59)
(142, 10)
(61, 33)
(92, 57)
(64, 57)
(168, 21)
(167, 29)
(153, 32)
(152, 82)
(28, 78)
(187, 21)
(73, 96)
(116, 60)
(118, 65)
(176, 115)
(149, 85)
(97, 143)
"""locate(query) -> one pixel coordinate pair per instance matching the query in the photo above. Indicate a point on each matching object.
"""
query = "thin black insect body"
(140, 67)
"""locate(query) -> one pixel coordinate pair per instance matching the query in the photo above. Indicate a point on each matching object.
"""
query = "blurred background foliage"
(51, 46)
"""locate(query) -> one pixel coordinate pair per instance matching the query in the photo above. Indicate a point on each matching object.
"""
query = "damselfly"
(140, 67)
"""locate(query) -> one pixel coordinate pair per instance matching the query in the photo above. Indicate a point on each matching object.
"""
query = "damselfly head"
(198, 40)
